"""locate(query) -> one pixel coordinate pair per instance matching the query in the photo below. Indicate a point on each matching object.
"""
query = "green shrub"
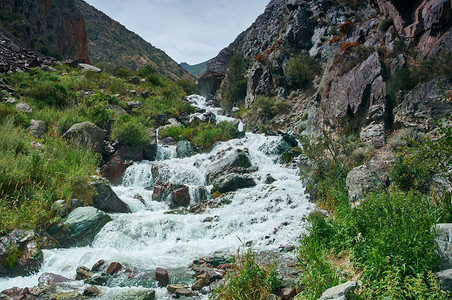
(130, 131)
(95, 108)
(399, 82)
(247, 280)
(385, 24)
(233, 89)
(50, 93)
(188, 86)
(302, 70)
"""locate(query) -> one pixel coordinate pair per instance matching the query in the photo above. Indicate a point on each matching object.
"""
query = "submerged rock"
(232, 182)
(238, 158)
(47, 279)
(161, 275)
(136, 295)
(185, 149)
(80, 228)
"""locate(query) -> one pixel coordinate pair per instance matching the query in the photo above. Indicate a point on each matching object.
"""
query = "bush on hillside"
(130, 131)
(233, 89)
(302, 70)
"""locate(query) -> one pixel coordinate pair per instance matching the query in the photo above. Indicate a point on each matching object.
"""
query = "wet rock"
(67, 296)
(214, 275)
(89, 68)
(105, 198)
(162, 276)
(232, 182)
(20, 253)
(150, 150)
(136, 295)
(360, 181)
(185, 292)
(24, 107)
(80, 228)
(180, 196)
(172, 288)
(48, 279)
(115, 168)
(92, 291)
(209, 83)
(444, 241)
(37, 128)
(185, 149)
(139, 198)
(83, 273)
(114, 268)
(98, 265)
(98, 280)
(161, 191)
(269, 179)
(16, 293)
(238, 158)
(199, 284)
(87, 134)
(344, 291)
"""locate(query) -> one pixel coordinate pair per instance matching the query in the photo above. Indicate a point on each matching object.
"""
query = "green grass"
(247, 280)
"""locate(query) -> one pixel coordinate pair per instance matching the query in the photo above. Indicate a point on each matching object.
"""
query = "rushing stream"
(268, 215)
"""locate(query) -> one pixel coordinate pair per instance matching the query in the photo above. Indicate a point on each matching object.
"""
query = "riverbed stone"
(162, 276)
(114, 268)
(180, 196)
(136, 295)
(232, 182)
(80, 228)
(199, 284)
(237, 158)
(185, 149)
(105, 198)
(83, 273)
(172, 288)
(48, 279)
(92, 291)
(20, 253)
(67, 296)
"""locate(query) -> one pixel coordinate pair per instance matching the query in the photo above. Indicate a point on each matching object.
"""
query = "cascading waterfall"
(267, 215)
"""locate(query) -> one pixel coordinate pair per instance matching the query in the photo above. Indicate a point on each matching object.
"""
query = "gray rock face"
(444, 241)
(354, 93)
(87, 134)
(185, 149)
(20, 253)
(340, 292)
(24, 107)
(360, 181)
(445, 280)
(106, 199)
(237, 158)
(80, 228)
(136, 295)
(232, 182)
(422, 104)
(37, 128)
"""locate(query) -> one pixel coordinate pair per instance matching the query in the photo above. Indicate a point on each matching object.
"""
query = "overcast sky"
(190, 31)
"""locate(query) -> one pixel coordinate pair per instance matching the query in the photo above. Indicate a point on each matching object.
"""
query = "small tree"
(233, 89)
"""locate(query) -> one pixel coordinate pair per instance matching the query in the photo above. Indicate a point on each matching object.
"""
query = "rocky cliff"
(382, 65)
(110, 42)
(52, 27)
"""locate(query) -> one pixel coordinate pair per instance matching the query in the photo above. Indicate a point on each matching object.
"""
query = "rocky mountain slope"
(195, 70)
(110, 42)
(361, 49)
(55, 28)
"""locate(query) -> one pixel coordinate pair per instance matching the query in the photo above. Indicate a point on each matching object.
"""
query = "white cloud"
(187, 30)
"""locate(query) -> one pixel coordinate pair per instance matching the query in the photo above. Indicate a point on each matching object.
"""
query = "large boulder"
(87, 134)
(20, 253)
(343, 291)
(185, 149)
(115, 168)
(445, 280)
(444, 241)
(136, 295)
(105, 198)
(209, 83)
(150, 149)
(232, 182)
(177, 195)
(361, 181)
(80, 228)
(236, 159)
(37, 128)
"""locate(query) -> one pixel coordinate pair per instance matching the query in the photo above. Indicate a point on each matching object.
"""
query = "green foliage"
(248, 280)
(123, 73)
(130, 131)
(12, 255)
(400, 81)
(419, 160)
(302, 70)
(50, 93)
(385, 24)
(31, 179)
(202, 135)
(233, 88)
(188, 86)
(266, 107)
(395, 231)
(95, 108)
